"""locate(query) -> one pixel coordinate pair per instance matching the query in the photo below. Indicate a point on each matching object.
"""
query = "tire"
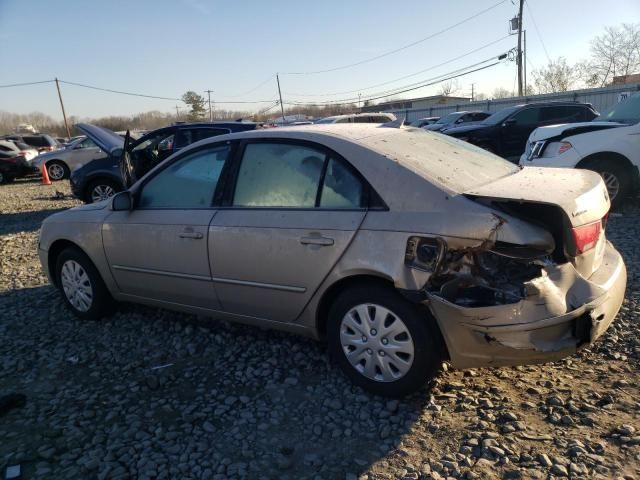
(3, 177)
(105, 186)
(81, 285)
(616, 178)
(402, 374)
(57, 170)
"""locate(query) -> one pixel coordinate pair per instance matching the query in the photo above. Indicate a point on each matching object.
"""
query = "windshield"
(499, 116)
(442, 160)
(627, 111)
(448, 118)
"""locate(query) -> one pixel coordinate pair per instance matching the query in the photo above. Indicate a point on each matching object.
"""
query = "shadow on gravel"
(238, 401)
(24, 221)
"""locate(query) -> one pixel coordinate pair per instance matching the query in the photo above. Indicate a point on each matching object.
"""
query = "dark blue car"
(103, 177)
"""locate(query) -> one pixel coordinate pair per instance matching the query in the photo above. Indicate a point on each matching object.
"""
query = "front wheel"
(382, 342)
(615, 178)
(84, 292)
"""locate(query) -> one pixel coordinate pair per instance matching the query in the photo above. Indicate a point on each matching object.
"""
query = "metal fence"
(600, 98)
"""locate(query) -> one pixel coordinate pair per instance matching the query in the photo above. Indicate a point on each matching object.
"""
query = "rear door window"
(341, 187)
(562, 114)
(528, 116)
(278, 175)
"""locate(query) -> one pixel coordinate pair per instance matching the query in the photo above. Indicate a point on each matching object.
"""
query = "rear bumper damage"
(561, 312)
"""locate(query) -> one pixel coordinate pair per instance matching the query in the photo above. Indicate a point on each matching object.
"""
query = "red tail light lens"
(586, 236)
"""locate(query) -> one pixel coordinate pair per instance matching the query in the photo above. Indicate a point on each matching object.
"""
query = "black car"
(505, 133)
(43, 143)
(103, 177)
(14, 166)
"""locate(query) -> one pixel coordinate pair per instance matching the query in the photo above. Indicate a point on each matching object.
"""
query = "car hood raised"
(567, 129)
(106, 139)
(580, 193)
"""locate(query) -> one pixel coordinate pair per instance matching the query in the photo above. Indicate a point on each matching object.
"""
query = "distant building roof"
(625, 79)
(422, 101)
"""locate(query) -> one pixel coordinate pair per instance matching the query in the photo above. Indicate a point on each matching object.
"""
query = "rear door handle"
(189, 233)
(324, 241)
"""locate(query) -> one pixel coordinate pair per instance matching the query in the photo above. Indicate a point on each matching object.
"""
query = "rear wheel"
(57, 170)
(99, 190)
(615, 177)
(382, 342)
(84, 292)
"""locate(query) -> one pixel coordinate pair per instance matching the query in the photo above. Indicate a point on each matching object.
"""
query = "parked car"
(423, 122)
(12, 166)
(609, 145)
(359, 118)
(359, 235)
(456, 119)
(62, 162)
(43, 143)
(102, 177)
(19, 148)
(505, 132)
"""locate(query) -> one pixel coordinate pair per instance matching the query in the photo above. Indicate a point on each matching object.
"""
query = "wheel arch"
(56, 248)
(594, 157)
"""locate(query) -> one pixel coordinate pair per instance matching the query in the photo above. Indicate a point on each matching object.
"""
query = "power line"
(535, 25)
(120, 92)
(349, 101)
(391, 52)
(26, 83)
(271, 77)
(406, 76)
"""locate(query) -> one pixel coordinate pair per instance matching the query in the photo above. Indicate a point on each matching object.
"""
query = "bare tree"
(614, 53)
(557, 76)
(501, 92)
(449, 88)
(480, 96)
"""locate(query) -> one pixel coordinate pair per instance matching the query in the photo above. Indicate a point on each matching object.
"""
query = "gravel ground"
(155, 394)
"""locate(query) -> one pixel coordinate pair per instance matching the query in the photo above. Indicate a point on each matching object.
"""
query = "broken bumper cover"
(562, 313)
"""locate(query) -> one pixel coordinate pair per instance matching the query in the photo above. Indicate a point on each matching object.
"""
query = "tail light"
(586, 236)
(564, 146)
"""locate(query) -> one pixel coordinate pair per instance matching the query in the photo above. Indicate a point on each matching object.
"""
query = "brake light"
(586, 236)
(564, 146)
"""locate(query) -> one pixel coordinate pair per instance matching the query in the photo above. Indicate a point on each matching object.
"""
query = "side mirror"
(122, 201)
(508, 122)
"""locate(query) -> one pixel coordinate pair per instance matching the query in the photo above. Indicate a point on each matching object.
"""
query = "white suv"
(609, 145)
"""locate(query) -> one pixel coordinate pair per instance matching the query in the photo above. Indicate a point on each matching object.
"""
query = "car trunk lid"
(571, 204)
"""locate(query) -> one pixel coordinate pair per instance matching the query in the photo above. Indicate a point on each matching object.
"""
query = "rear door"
(290, 212)
(158, 250)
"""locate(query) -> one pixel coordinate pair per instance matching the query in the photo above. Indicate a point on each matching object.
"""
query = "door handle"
(319, 240)
(189, 233)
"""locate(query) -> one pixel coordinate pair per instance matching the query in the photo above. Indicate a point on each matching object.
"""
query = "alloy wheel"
(76, 285)
(56, 171)
(101, 192)
(376, 342)
(612, 183)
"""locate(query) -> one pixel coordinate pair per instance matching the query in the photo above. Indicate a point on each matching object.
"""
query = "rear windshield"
(442, 160)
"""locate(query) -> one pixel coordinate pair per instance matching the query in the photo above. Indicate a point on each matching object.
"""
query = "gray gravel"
(155, 394)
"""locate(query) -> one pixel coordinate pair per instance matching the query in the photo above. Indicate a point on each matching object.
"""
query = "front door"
(159, 250)
(516, 133)
(293, 211)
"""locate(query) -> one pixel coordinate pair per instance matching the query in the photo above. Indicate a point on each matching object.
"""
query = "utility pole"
(524, 34)
(472, 91)
(280, 95)
(64, 115)
(359, 95)
(177, 113)
(519, 61)
(209, 96)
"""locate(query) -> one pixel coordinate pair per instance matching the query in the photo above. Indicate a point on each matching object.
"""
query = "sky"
(164, 48)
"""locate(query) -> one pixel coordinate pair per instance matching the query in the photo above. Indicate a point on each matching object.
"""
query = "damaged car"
(398, 247)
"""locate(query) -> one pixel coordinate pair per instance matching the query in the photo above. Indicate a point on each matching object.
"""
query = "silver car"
(60, 163)
(398, 247)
